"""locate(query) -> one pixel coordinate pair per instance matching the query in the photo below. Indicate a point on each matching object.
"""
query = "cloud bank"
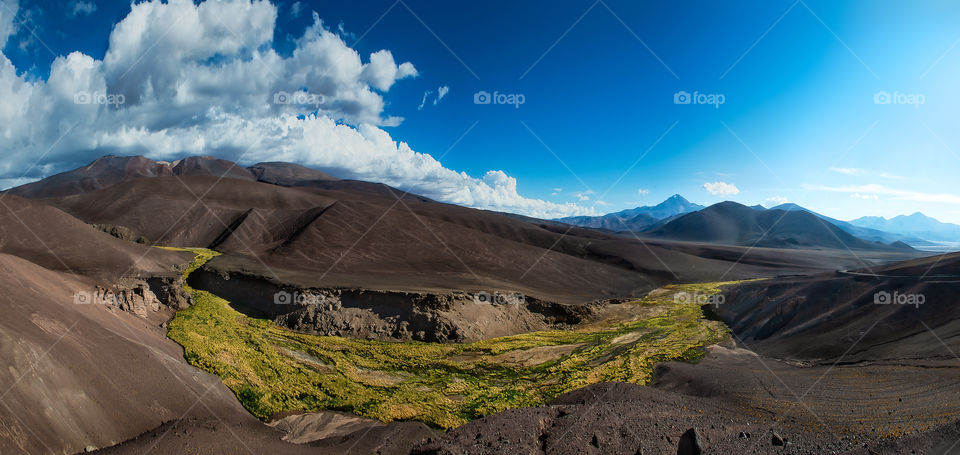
(185, 79)
(873, 191)
(721, 188)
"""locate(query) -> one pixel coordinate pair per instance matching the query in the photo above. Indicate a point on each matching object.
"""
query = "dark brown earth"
(836, 315)
(53, 239)
(813, 359)
(311, 233)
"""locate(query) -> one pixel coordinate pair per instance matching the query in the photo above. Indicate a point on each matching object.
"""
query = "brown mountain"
(366, 243)
(110, 170)
(316, 231)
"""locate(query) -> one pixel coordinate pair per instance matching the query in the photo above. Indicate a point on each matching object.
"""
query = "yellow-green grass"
(273, 370)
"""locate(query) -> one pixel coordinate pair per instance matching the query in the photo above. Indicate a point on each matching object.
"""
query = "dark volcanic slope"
(822, 317)
(79, 377)
(110, 170)
(49, 237)
(88, 375)
(627, 419)
(735, 224)
(302, 227)
(369, 235)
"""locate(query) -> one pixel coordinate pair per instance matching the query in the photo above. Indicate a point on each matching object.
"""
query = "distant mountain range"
(669, 219)
(916, 230)
(863, 232)
(916, 225)
(636, 219)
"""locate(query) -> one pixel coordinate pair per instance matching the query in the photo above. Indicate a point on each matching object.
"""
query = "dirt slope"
(49, 237)
(87, 375)
(829, 316)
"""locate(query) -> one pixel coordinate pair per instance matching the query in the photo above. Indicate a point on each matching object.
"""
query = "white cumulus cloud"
(873, 191)
(721, 188)
(7, 25)
(181, 79)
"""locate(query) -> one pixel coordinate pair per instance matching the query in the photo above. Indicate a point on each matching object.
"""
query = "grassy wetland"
(272, 369)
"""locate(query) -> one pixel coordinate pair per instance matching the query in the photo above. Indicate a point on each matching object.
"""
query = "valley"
(319, 313)
(276, 371)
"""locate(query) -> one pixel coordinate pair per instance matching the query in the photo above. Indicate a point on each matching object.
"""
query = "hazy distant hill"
(864, 232)
(636, 219)
(916, 225)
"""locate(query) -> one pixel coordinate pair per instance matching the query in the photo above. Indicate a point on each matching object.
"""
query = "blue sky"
(804, 115)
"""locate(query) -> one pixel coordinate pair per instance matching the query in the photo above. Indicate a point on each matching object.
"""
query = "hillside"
(735, 224)
(109, 170)
(803, 317)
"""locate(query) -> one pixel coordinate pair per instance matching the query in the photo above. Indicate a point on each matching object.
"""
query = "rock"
(777, 440)
(170, 292)
(690, 443)
(744, 435)
(595, 441)
(122, 233)
(89, 449)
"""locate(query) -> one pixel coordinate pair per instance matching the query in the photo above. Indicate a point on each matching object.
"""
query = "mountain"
(636, 219)
(735, 224)
(388, 239)
(916, 225)
(863, 232)
(109, 170)
(313, 230)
